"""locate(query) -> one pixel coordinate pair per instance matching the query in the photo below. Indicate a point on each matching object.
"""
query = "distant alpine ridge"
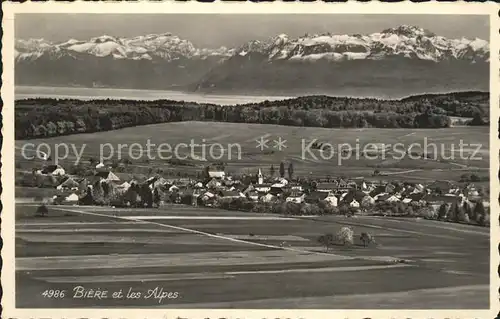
(406, 59)
(152, 61)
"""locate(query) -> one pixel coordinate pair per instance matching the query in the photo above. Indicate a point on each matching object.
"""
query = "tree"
(345, 236)
(106, 189)
(291, 208)
(456, 212)
(477, 119)
(443, 211)
(325, 207)
(146, 196)
(467, 209)
(480, 213)
(131, 195)
(271, 171)
(344, 209)
(282, 169)
(156, 197)
(428, 212)
(466, 218)
(326, 240)
(482, 191)
(409, 211)
(98, 193)
(42, 211)
(290, 171)
(88, 198)
(395, 209)
(367, 239)
(205, 172)
(461, 216)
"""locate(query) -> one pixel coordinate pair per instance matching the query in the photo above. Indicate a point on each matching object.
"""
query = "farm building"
(326, 187)
(392, 199)
(213, 183)
(388, 198)
(296, 198)
(55, 170)
(406, 200)
(276, 190)
(231, 194)
(69, 199)
(248, 189)
(438, 200)
(46, 181)
(160, 182)
(379, 190)
(442, 187)
(68, 184)
(263, 187)
(332, 200)
(124, 186)
(358, 197)
(72, 198)
(417, 197)
(278, 185)
(106, 176)
(316, 196)
(205, 196)
(253, 195)
(296, 187)
(363, 186)
(100, 166)
(267, 198)
(283, 181)
(354, 203)
(173, 188)
(216, 173)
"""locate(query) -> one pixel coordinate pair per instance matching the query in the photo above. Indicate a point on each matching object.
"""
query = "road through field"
(232, 261)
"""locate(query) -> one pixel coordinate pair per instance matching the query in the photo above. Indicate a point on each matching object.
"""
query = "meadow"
(222, 259)
(450, 165)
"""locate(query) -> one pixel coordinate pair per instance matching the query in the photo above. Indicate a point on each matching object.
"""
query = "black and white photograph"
(252, 161)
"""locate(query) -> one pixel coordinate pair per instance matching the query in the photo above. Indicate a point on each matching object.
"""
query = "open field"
(245, 135)
(223, 259)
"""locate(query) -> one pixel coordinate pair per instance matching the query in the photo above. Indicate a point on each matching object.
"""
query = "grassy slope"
(443, 257)
(251, 157)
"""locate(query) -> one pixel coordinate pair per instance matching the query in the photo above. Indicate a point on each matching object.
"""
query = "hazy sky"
(215, 30)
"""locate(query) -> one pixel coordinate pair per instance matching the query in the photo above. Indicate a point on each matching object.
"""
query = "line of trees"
(36, 118)
(464, 212)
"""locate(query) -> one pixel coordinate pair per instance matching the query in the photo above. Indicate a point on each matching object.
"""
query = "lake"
(26, 92)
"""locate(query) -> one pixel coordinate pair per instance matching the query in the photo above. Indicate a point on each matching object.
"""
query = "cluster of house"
(220, 186)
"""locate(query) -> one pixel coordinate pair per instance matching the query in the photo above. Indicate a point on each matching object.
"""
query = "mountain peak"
(409, 31)
(103, 38)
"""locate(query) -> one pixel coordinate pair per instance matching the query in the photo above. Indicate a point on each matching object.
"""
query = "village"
(266, 193)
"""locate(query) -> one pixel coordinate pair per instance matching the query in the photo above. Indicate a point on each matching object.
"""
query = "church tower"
(260, 177)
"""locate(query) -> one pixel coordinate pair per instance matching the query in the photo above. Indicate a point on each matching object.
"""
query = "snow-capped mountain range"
(165, 46)
(406, 41)
(168, 60)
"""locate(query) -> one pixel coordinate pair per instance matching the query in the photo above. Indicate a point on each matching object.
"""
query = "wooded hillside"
(37, 118)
